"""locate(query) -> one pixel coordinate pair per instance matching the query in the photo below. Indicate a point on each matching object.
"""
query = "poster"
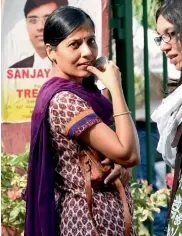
(24, 66)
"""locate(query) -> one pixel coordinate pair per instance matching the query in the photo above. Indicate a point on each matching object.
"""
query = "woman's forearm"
(125, 129)
(126, 150)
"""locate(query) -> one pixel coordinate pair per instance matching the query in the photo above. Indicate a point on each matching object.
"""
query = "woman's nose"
(86, 50)
(165, 46)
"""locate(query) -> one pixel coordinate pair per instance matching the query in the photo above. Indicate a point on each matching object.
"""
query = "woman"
(169, 115)
(69, 112)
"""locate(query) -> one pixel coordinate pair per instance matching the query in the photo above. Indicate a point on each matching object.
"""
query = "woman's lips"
(84, 65)
(172, 59)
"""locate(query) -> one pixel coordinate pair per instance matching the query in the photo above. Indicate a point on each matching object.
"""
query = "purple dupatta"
(40, 202)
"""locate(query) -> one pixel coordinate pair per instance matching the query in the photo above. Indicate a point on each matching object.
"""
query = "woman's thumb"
(94, 70)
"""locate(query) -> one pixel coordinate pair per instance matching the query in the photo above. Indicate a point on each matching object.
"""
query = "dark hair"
(62, 22)
(32, 4)
(171, 11)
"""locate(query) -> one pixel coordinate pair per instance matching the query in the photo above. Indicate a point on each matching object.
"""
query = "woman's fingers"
(106, 161)
(94, 71)
(115, 172)
(109, 74)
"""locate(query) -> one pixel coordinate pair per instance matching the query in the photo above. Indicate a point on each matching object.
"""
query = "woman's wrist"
(116, 90)
(118, 101)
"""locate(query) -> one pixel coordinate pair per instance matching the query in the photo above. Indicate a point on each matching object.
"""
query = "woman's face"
(76, 52)
(173, 48)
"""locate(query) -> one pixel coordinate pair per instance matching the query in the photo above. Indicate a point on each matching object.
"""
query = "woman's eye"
(74, 44)
(92, 41)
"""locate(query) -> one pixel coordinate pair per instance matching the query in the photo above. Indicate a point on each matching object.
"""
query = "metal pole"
(147, 100)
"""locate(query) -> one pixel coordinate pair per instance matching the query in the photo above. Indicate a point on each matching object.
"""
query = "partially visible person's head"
(69, 36)
(36, 13)
(169, 26)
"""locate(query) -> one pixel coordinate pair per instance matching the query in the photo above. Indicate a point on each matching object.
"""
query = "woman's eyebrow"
(78, 39)
(166, 30)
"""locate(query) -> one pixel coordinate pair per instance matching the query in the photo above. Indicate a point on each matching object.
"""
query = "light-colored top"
(168, 117)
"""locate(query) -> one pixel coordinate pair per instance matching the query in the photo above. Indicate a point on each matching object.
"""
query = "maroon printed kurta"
(69, 116)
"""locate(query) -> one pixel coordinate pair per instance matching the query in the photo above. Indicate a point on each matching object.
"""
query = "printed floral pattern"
(71, 205)
(175, 221)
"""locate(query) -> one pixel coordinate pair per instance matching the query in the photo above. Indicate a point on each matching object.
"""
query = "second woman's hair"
(171, 11)
(62, 22)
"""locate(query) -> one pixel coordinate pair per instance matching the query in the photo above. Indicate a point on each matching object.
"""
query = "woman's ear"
(50, 52)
